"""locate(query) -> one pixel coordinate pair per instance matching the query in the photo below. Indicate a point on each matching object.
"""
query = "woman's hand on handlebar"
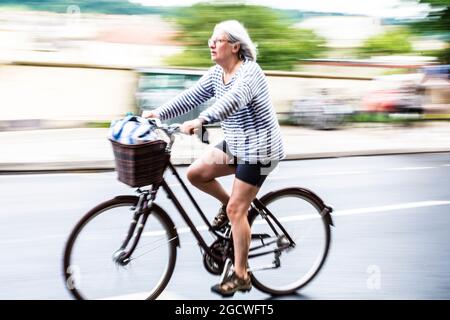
(189, 127)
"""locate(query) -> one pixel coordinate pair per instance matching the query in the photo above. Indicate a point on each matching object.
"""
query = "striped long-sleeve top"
(243, 106)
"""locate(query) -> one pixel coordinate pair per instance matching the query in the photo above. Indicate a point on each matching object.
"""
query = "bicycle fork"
(122, 256)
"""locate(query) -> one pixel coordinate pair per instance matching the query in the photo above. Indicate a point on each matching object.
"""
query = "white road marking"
(394, 207)
(174, 185)
(355, 172)
(338, 213)
(153, 233)
(410, 168)
(187, 229)
(341, 173)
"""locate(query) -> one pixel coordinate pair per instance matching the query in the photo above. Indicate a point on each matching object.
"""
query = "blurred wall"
(59, 93)
(285, 89)
(99, 94)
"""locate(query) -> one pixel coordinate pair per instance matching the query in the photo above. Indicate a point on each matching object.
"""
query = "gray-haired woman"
(252, 145)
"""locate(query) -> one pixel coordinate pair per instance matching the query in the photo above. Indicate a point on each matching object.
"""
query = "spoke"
(151, 243)
(153, 249)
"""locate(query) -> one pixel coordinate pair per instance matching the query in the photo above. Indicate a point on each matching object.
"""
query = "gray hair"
(237, 33)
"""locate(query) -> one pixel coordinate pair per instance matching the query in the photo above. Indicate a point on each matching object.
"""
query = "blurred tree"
(280, 46)
(394, 41)
(436, 23)
(86, 6)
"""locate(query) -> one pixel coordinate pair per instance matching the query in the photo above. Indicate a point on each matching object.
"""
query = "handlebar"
(172, 129)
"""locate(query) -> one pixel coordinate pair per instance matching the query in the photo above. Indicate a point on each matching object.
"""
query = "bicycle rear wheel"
(299, 212)
(90, 271)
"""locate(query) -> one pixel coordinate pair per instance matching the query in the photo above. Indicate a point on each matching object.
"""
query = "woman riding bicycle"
(252, 145)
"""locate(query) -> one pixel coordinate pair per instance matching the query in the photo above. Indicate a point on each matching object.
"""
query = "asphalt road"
(390, 241)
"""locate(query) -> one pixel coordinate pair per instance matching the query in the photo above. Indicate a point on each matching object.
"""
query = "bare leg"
(237, 209)
(204, 171)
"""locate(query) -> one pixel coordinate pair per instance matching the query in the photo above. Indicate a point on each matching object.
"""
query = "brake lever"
(203, 135)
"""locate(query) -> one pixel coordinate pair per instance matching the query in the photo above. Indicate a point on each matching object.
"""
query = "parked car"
(400, 93)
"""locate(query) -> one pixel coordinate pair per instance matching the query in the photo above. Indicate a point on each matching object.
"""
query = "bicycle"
(101, 263)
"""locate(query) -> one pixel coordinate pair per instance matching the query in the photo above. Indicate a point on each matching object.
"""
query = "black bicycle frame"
(123, 256)
(258, 205)
(186, 217)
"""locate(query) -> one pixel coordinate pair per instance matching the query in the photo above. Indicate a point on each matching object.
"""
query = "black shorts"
(252, 173)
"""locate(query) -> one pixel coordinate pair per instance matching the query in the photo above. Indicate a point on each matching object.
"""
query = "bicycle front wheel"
(299, 212)
(90, 270)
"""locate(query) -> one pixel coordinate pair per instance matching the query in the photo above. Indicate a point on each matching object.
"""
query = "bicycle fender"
(324, 209)
(130, 198)
(172, 229)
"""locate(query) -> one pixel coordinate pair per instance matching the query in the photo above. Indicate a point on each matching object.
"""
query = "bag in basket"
(132, 130)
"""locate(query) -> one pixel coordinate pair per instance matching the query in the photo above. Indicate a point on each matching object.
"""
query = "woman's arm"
(184, 102)
(239, 96)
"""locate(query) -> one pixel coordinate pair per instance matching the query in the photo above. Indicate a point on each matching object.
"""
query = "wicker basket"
(139, 165)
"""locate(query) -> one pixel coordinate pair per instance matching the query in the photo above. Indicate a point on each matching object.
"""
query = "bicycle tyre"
(324, 220)
(104, 208)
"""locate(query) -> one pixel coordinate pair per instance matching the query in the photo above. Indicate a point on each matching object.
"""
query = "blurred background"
(349, 80)
(77, 63)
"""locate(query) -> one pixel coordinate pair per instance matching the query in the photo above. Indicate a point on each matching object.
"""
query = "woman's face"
(222, 50)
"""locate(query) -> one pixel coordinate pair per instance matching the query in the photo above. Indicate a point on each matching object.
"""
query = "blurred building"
(83, 66)
(96, 39)
(40, 52)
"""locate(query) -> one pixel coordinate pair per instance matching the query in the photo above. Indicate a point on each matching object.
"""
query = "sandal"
(221, 219)
(232, 285)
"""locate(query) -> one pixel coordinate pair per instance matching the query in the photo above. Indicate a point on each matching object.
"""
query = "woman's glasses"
(213, 42)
